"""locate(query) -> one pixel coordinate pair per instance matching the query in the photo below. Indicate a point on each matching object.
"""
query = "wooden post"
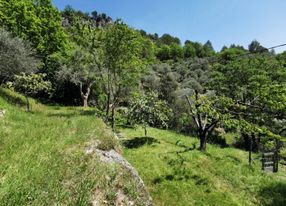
(276, 157)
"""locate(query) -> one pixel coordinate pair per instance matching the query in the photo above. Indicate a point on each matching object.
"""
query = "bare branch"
(192, 112)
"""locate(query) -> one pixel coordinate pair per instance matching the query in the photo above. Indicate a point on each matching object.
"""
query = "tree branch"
(192, 112)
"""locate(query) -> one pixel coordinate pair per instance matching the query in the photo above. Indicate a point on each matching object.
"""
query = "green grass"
(43, 160)
(217, 177)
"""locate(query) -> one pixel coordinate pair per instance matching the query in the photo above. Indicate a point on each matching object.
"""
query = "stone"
(2, 112)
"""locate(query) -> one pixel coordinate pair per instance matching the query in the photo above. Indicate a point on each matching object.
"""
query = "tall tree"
(123, 64)
(209, 50)
(189, 50)
(255, 46)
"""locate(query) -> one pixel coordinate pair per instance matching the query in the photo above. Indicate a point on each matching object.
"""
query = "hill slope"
(177, 176)
(43, 158)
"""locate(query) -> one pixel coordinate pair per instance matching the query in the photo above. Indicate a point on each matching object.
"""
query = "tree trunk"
(28, 108)
(145, 131)
(203, 141)
(250, 151)
(107, 106)
(85, 99)
(84, 96)
(113, 118)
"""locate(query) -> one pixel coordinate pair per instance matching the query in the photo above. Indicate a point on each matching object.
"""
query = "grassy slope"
(42, 158)
(218, 177)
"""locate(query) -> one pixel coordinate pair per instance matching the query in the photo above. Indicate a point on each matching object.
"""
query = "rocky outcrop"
(112, 156)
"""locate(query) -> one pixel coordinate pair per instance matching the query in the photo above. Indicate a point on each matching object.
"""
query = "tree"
(94, 14)
(258, 86)
(81, 70)
(148, 110)
(16, 56)
(164, 53)
(208, 48)
(123, 64)
(255, 46)
(81, 65)
(176, 52)
(200, 52)
(189, 50)
(168, 39)
(207, 111)
(31, 85)
(37, 21)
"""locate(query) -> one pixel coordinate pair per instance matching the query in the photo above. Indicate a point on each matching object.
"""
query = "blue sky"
(222, 21)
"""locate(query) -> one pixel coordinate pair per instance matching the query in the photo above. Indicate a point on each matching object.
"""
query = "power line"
(274, 47)
(215, 59)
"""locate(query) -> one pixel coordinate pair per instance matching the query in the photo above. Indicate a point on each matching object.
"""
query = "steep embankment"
(45, 160)
(178, 176)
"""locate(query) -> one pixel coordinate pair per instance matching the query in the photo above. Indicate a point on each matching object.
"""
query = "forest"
(132, 78)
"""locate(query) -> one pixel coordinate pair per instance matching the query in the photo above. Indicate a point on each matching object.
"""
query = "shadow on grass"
(139, 142)
(274, 195)
(178, 165)
(72, 114)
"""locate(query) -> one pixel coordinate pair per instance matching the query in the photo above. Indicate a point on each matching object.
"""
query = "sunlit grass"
(43, 160)
(217, 177)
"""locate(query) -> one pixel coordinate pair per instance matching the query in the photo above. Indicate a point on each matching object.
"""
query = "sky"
(223, 22)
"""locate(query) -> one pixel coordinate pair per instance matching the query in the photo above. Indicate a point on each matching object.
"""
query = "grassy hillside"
(219, 177)
(43, 159)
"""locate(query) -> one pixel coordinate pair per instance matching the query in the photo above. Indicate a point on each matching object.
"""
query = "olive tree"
(80, 65)
(16, 56)
(80, 69)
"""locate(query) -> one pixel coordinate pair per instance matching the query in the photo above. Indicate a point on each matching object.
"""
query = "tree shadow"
(178, 165)
(274, 195)
(139, 142)
(72, 114)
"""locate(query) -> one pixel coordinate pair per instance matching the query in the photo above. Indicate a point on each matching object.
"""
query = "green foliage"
(32, 84)
(257, 84)
(255, 46)
(169, 40)
(148, 110)
(189, 50)
(37, 21)
(208, 48)
(176, 52)
(123, 63)
(16, 56)
(122, 53)
(79, 68)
